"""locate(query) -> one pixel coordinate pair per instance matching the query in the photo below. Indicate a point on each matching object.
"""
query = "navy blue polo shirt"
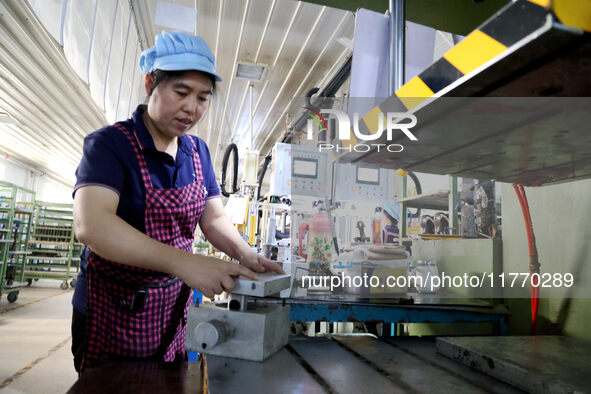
(109, 161)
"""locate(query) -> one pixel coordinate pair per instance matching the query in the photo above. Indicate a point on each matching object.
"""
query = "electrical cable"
(232, 148)
(263, 171)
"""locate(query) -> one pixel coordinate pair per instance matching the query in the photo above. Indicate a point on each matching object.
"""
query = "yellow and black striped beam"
(508, 26)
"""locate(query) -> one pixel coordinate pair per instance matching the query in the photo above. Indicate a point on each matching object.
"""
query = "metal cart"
(16, 213)
(54, 250)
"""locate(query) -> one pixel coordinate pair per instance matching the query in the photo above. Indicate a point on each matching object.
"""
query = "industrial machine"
(364, 183)
(301, 170)
(238, 328)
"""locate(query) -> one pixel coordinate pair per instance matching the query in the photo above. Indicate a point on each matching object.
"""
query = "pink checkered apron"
(135, 313)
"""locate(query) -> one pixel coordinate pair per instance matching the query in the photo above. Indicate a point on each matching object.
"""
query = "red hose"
(536, 288)
(534, 266)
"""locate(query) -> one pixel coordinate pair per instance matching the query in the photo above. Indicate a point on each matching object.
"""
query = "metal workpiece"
(211, 333)
(239, 329)
(254, 334)
(267, 284)
(237, 302)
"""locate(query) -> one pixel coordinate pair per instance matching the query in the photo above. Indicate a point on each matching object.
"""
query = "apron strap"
(142, 162)
(196, 161)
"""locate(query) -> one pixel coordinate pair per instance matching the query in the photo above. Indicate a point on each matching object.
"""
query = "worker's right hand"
(211, 276)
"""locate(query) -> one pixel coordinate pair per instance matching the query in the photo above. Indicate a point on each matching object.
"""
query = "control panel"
(301, 171)
(358, 182)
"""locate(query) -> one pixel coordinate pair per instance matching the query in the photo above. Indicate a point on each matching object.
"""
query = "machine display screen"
(307, 168)
(368, 175)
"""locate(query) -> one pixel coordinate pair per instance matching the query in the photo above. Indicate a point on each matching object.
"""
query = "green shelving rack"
(54, 252)
(16, 217)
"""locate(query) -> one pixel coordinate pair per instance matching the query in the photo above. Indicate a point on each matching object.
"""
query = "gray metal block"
(267, 284)
(536, 364)
(252, 335)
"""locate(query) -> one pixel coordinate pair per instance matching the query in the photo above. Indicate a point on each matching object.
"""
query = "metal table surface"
(351, 364)
(537, 364)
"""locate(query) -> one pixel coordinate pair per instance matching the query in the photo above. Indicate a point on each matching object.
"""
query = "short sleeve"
(100, 164)
(207, 168)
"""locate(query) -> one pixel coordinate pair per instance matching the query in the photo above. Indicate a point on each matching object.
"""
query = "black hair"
(163, 76)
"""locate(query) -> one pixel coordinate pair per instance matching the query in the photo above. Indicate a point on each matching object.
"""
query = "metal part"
(266, 285)
(397, 26)
(236, 328)
(212, 333)
(254, 334)
(237, 302)
(296, 271)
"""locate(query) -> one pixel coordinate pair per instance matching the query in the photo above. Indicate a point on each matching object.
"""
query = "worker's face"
(175, 106)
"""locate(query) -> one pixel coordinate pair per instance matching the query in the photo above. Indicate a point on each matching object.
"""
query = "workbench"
(350, 365)
(365, 364)
(306, 365)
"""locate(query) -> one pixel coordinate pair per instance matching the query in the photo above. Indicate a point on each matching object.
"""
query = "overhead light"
(251, 71)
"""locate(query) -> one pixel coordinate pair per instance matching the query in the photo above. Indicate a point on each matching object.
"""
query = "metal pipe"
(250, 126)
(397, 28)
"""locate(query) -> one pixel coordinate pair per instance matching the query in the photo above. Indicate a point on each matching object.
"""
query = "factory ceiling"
(67, 68)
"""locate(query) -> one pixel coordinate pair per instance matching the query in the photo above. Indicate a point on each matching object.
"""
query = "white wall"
(11, 173)
(52, 191)
(46, 188)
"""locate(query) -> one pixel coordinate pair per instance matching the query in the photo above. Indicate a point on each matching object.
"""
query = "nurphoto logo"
(395, 122)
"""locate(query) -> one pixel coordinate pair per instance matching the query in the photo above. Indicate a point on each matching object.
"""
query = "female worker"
(142, 187)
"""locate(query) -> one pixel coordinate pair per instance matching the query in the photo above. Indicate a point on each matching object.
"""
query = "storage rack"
(16, 212)
(442, 200)
(54, 250)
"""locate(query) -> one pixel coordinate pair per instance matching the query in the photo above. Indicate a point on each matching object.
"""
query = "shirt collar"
(144, 138)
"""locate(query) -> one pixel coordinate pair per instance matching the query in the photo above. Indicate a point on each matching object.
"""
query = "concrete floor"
(35, 340)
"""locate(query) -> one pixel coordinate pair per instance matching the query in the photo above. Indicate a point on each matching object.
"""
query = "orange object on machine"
(376, 227)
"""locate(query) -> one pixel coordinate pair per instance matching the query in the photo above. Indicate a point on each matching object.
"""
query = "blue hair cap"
(393, 209)
(178, 51)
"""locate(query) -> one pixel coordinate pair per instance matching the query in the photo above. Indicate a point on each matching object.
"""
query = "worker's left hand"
(259, 263)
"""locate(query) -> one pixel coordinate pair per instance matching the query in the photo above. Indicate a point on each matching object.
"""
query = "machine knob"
(211, 333)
